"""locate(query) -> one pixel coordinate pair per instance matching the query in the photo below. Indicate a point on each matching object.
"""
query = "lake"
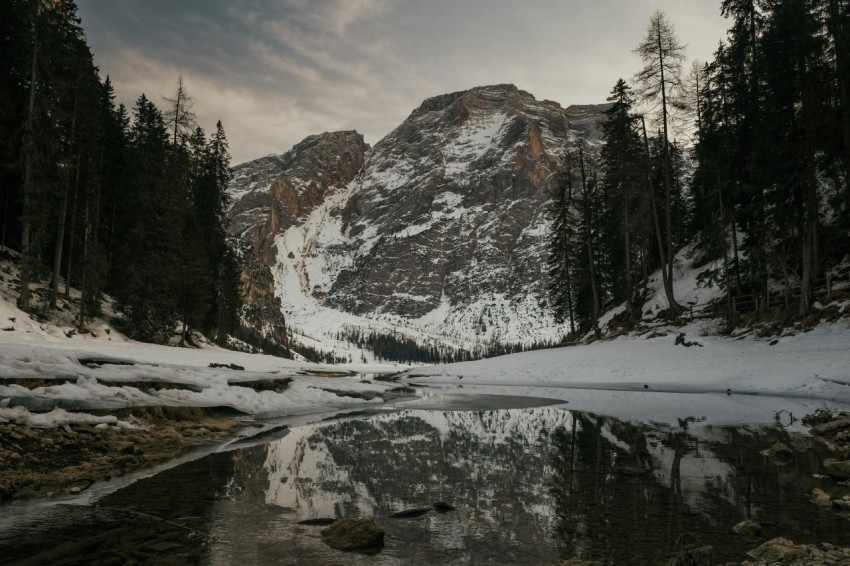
(534, 484)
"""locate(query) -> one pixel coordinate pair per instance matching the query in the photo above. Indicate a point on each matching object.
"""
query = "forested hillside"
(745, 159)
(129, 202)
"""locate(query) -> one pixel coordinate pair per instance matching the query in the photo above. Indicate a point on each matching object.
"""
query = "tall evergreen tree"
(147, 253)
(662, 54)
(589, 283)
(622, 212)
(561, 246)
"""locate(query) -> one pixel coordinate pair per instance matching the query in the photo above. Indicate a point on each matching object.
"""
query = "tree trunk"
(60, 243)
(627, 232)
(5, 218)
(72, 232)
(724, 220)
(26, 227)
(668, 217)
(84, 280)
(668, 284)
(806, 279)
(63, 212)
(588, 221)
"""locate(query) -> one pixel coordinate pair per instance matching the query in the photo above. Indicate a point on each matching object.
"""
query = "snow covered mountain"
(437, 233)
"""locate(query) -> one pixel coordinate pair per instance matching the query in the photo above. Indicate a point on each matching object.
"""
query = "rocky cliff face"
(277, 192)
(441, 235)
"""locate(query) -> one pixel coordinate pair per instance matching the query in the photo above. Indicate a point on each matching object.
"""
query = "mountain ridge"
(438, 232)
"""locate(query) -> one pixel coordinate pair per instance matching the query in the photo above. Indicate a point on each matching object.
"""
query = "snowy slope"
(813, 365)
(43, 366)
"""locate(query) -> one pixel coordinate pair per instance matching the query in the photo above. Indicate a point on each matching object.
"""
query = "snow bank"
(812, 365)
(110, 386)
(57, 417)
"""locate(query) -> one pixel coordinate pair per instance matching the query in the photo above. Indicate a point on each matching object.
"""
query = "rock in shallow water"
(779, 550)
(779, 454)
(831, 427)
(321, 521)
(747, 528)
(821, 498)
(411, 513)
(836, 469)
(443, 507)
(355, 535)
(691, 552)
(785, 552)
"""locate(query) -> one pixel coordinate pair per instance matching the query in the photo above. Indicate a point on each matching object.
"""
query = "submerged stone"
(443, 507)
(821, 498)
(355, 535)
(836, 469)
(318, 521)
(411, 513)
(779, 454)
(832, 426)
(778, 550)
(747, 528)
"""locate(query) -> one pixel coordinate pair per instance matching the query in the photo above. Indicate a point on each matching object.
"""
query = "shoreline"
(44, 462)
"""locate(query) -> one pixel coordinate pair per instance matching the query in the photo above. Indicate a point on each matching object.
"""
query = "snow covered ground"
(49, 350)
(631, 376)
(653, 378)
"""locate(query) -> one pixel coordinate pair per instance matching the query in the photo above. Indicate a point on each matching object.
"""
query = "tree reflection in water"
(530, 486)
(628, 493)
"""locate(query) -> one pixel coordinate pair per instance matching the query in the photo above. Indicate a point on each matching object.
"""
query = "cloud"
(276, 71)
(341, 14)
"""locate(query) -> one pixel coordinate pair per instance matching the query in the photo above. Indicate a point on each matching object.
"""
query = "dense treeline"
(762, 186)
(129, 203)
(400, 348)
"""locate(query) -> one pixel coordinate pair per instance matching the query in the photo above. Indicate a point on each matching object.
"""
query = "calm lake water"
(530, 485)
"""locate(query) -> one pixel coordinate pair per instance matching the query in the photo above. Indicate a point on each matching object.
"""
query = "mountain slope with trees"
(744, 162)
(106, 199)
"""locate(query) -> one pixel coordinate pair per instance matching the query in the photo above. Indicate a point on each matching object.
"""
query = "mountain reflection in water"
(528, 485)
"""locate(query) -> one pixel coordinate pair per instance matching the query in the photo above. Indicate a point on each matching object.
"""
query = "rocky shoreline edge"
(46, 462)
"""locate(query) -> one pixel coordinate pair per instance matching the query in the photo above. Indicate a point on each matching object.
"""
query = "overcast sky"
(276, 71)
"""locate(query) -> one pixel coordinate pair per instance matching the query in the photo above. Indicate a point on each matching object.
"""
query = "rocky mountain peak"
(494, 93)
(438, 231)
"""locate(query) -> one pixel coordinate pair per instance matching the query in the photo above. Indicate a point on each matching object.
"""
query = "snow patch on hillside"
(474, 140)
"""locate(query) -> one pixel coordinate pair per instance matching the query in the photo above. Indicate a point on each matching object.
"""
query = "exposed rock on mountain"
(441, 235)
(274, 193)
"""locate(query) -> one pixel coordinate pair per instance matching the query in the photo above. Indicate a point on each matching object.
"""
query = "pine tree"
(662, 54)
(713, 219)
(789, 136)
(622, 211)
(562, 237)
(589, 282)
(147, 255)
(179, 118)
(216, 203)
(15, 68)
(838, 26)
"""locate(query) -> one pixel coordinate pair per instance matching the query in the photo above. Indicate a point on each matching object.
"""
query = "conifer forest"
(107, 199)
(746, 157)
